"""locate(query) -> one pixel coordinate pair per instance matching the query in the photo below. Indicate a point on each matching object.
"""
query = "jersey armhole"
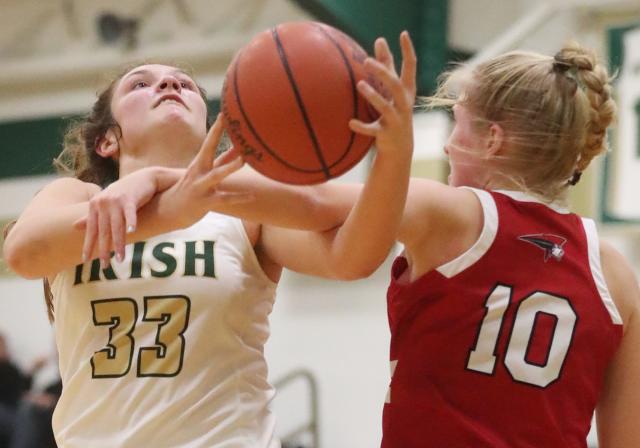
(593, 245)
(484, 241)
(239, 226)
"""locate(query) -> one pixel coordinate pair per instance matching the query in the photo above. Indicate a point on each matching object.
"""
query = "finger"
(360, 127)
(216, 175)
(130, 217)
(383, 53)
(379, 103)
(226, 157)
(204, 158)
(409, 63)
(104, 238)
(390, 82)
(118, 232)
(90, 235)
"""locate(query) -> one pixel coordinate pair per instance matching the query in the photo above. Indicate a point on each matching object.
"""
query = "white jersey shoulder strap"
(484, 241)
(593, 244)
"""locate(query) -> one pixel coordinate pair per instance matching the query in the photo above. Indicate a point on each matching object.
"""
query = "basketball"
(287, 100)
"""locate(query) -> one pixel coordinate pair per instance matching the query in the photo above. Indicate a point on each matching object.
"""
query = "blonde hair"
(554, 112)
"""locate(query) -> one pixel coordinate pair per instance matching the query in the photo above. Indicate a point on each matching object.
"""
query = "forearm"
(364, 240)
(165, 177)
(313, 207)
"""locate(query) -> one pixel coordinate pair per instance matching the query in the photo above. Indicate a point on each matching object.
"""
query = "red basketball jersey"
(507, 345)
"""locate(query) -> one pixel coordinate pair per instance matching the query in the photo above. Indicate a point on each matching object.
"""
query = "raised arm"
(360, 244)
(70, 220)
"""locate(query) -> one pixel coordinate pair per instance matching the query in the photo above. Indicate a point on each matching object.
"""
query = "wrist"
(393, 159)
(164, 178)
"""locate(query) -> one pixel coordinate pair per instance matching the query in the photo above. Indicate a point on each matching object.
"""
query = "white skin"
(439, 222)
(169, 180)
(147, 122)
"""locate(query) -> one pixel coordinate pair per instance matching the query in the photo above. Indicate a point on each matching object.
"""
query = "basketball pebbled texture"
(287, 100)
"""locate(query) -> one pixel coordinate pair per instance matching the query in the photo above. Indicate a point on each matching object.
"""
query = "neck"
(169, 153)
(512, 185)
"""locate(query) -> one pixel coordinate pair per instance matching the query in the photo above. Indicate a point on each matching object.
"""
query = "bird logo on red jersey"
(552, 245)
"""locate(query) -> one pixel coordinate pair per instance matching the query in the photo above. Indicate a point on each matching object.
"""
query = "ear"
(495, 140)
(108, 146)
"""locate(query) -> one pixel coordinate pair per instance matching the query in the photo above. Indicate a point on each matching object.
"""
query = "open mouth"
(171, 99)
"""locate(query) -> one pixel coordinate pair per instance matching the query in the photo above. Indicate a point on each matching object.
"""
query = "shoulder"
(621, 281)
(69, 188)
(440, 222)
(433, 206)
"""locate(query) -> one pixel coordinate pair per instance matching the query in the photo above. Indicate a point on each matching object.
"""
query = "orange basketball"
(287, 100)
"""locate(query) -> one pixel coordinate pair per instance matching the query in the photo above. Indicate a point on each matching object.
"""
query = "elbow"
(351, 271)
(321, 209)
(355, 274)
(18, 259)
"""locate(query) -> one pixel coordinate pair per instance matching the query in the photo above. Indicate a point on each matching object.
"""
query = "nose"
(169, 83)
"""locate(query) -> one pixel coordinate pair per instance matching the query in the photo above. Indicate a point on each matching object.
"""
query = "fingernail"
(119, 257)
(84, 257)
(130, 229)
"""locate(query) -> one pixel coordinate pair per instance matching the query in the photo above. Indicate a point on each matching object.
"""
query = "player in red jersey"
(510, 322)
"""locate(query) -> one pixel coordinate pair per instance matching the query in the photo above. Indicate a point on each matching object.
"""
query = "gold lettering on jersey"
(198, 261)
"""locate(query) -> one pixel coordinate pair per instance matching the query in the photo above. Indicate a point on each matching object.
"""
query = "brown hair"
(79, 158)
(554, 111)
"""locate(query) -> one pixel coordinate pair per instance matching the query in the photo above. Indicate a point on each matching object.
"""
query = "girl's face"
(464, 148)
(158, 104)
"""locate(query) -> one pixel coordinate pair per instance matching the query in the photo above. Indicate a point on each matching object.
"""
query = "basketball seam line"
(253, 129)
(296, 92)
(354, 92)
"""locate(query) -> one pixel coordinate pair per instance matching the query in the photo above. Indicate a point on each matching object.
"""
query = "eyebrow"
(143, 71)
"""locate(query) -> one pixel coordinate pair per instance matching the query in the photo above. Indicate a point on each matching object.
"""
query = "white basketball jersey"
(166, 348)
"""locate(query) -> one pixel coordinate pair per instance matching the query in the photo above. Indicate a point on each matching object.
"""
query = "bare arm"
(318, 208)
(44, 240)
(315, 207)
(48, 237)
(619, 404)
(361, 243)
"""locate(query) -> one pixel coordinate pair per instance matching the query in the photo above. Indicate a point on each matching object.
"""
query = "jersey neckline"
(521, 196)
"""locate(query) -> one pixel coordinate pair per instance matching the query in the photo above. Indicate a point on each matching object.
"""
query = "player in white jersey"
(161, 344)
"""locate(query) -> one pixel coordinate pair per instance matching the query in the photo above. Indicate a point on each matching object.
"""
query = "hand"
(113, 212)
(393, 130)
(198, 189)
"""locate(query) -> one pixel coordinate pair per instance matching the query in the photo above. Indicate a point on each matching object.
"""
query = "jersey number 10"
(483, 356)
